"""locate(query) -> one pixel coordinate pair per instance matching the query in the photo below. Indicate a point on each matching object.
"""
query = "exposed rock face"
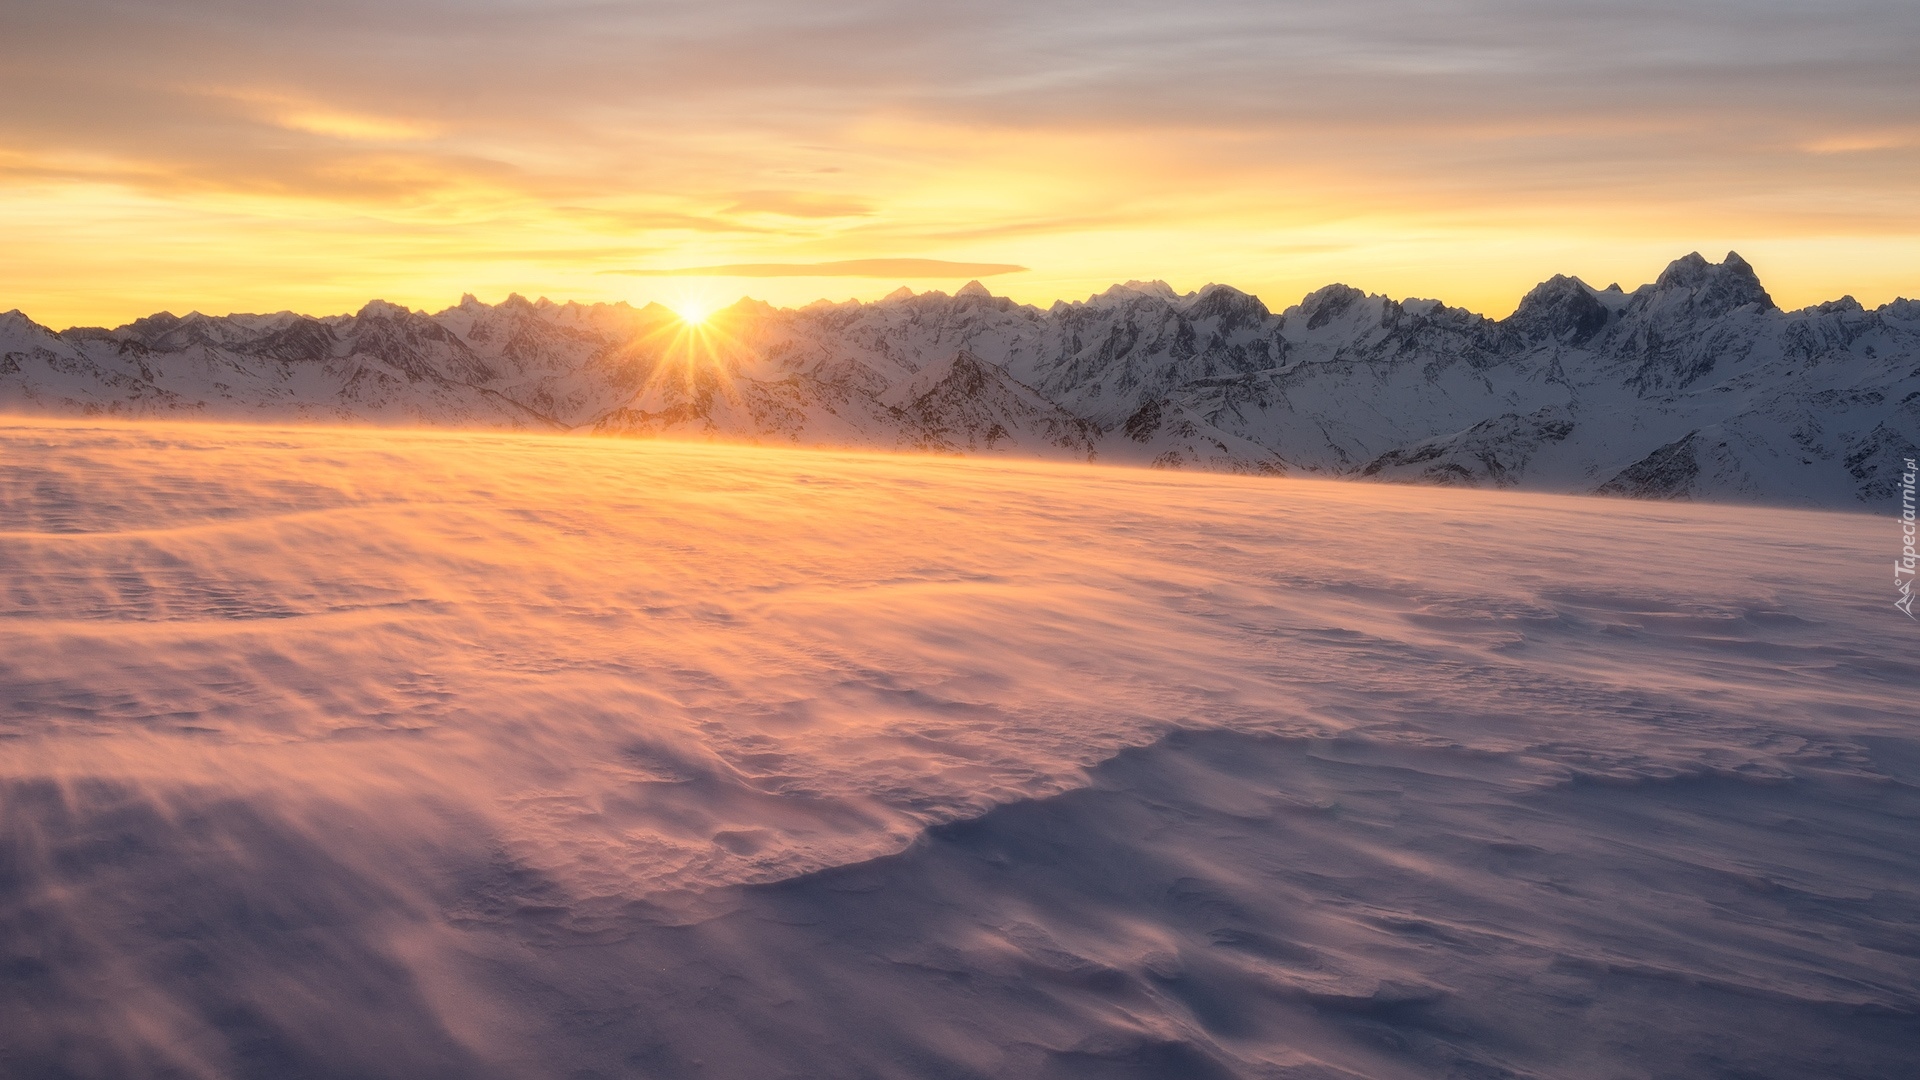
(1696, 386)
(1493, 451)
(1714, 290)
(1667, 473)
(1561, 309)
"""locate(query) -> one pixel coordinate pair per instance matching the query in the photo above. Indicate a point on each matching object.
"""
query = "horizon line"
(873, 268)
(748, 299)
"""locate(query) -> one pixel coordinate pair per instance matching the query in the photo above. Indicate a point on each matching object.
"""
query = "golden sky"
(247, 155)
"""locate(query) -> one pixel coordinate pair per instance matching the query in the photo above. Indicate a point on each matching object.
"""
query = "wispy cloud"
(1087, 139)
(1860, 142)
(798, 204)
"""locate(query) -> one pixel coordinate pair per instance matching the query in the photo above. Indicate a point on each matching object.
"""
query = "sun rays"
(686, 355)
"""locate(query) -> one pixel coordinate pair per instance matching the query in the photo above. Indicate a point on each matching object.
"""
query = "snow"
(1694, 387)
(405, 753)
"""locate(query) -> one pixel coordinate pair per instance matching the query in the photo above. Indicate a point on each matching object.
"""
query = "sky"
(258, 155)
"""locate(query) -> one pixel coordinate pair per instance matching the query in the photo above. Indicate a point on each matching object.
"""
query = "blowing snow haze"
(449, 754)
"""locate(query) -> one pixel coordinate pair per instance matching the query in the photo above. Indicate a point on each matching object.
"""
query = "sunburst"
(689, 355)
(693, 312)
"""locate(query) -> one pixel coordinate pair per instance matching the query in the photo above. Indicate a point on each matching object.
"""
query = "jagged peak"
(1709, 289)
(1335, 293)
(1326, 303)
(1134, 290)
(1562, 308)
(380, 309)
(1218, 292)
(151, 326)
(747, 305)
(1717, 287)
(1684, 272)
(77, 333)
(1225, 301)
(1155, 288)
(960, 370)
(19, 318)
(1845, 305)
(1561, 284)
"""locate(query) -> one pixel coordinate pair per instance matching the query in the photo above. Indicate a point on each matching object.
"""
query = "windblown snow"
(460, 754)
(1696, 386)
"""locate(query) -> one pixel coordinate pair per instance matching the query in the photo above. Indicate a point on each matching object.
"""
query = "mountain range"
(1695, 386)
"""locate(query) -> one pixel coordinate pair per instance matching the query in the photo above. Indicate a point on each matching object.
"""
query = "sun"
(693, 313)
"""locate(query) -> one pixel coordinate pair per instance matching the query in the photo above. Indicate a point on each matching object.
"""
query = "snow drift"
(331, 753)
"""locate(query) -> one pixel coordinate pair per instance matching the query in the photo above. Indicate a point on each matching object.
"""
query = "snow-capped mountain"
(1696, 386)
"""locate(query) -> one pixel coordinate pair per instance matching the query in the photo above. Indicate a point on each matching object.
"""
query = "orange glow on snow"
(545, 630)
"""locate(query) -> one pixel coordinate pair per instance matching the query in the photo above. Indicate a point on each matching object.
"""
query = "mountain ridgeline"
(1695, 386)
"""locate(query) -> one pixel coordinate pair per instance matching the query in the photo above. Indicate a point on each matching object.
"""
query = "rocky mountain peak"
(1324, 305)
(1717, 288)
(17, 320)
(380, 309)
(1228, 304)
(152, 326)
(1562, 309)
(1133, 291)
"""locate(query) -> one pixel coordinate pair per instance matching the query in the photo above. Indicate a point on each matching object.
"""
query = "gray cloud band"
(1494, 92)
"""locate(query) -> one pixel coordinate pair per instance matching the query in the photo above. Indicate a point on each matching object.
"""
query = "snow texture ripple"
(417, 754)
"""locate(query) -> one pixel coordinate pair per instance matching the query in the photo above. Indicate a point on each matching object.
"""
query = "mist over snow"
(479, 754)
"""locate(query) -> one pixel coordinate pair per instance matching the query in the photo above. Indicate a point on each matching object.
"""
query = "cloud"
(727, 95)
(1847, 142)
(866, 268)
(1092, 140)
(798, 204)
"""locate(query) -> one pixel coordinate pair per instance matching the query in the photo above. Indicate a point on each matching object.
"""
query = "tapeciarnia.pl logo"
(1903, 566)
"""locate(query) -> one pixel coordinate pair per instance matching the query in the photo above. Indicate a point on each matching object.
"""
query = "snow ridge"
(1695, 386)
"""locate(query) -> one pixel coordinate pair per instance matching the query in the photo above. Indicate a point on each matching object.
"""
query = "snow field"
(330, 752)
